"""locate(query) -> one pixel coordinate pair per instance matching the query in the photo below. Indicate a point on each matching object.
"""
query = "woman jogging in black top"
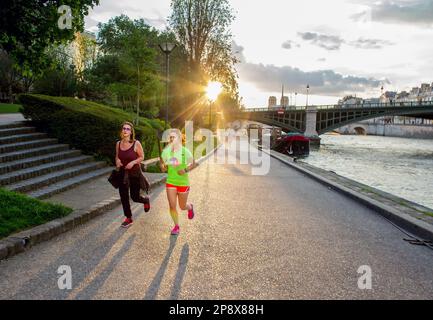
(129, 155)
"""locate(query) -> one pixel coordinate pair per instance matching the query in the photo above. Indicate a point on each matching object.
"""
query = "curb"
(24, 240)
(414, 226)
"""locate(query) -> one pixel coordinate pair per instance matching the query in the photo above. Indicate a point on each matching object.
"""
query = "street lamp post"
(308, 89)
(213, 90)
(167, 48)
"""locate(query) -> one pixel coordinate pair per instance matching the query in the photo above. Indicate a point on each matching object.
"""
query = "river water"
(400, 166)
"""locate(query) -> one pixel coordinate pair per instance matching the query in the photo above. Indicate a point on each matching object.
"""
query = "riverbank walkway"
(278, 236)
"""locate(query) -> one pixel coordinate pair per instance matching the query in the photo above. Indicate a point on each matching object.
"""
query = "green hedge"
(19, 212)
(88, 126)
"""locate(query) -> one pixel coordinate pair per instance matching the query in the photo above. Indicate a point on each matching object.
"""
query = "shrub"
(88, 126)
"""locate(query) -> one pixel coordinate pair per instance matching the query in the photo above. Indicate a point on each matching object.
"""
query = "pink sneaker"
(191, 212)
(175, 230)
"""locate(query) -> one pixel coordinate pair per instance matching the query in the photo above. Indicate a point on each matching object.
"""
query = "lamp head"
(167, 47)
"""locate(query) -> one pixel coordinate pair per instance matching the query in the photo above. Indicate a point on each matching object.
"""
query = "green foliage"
(88, 126)
(9, 108)
(153, 169)
(203, 30)
(29, 27)
(129, 71)
(18, 212)
(58, 78)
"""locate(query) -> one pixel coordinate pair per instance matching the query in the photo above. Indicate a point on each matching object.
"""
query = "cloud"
(238, 51)
(322, 82)
(419, 12)
(322, 40)
(111, 8)
(362, 43)
(330, 42)
(289, 44)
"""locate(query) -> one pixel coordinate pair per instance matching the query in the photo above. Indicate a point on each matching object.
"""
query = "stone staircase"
(39, 166)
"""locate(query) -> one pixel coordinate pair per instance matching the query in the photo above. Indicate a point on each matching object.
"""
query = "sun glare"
(213, 90)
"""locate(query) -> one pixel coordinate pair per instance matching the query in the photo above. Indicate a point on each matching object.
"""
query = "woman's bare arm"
(140, 152)
(162, 165)
(117, 160)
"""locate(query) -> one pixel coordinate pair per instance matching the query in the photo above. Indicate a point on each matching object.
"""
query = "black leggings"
(134, 186)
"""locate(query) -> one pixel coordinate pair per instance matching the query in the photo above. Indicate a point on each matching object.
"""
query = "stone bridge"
(314, 121)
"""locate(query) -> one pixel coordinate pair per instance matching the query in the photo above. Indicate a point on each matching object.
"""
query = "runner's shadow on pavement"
(83, 255)
(153, 289)
(181, 270)
(92, 288)
(43, 285)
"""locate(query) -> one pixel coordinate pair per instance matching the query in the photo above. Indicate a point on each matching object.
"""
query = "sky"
(337, 47)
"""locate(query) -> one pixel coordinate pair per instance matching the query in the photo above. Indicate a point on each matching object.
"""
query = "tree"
(59, 77)
(133, 44)
(86, 50)
(202, 29)
(27, 28)
(9, 77)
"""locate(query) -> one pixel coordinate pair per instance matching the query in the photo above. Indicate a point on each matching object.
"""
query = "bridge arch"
(342, 118)
(329, 118)
(359, 130)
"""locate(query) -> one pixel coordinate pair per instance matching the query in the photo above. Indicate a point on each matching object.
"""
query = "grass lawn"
(9, 108)
(19, 212)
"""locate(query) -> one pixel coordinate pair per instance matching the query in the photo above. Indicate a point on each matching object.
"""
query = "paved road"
(280, 236)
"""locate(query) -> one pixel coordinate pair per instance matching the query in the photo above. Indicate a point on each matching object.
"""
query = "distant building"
(414, 94)
(388, 97)
(426, 93)
(371, 101)
(284, 101)
(272, 102)
(425, 87)
(403, 97)
(349, 101)
(415, 91)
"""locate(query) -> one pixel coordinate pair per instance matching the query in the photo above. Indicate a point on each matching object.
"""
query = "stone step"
(15, 131)
(32, 152)
(54, 177)
(37, 160)
(67, 184)
(28, 173)
(18, 124)
(22, 137)
(26, 145)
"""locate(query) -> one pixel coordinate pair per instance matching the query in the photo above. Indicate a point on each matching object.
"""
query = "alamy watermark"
(64, 282)
(365, 281)
(239, 146)
(65, 19)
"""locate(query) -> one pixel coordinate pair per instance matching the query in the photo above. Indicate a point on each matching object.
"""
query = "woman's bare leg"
(183, 198)
(172, 202)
